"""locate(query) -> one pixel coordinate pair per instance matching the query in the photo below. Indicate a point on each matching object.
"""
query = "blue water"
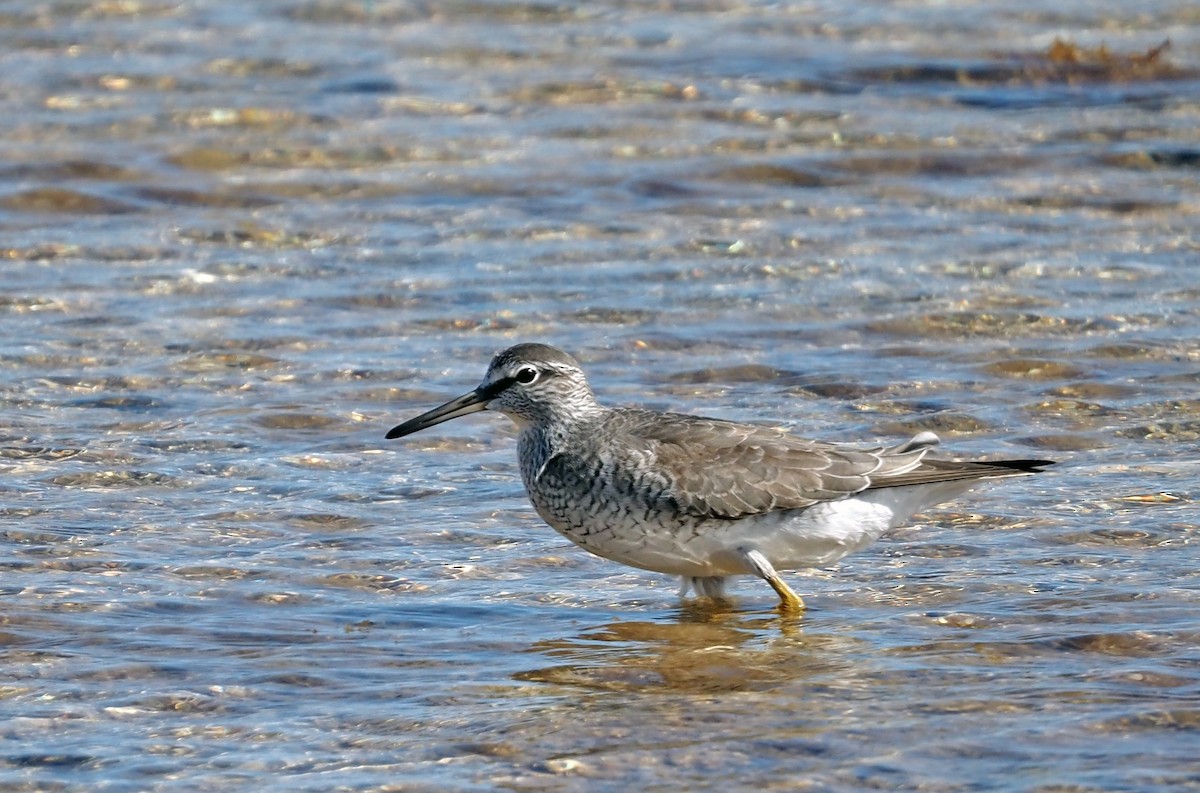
(241, 241)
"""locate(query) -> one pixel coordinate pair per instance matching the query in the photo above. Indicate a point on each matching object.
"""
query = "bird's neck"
(541, 442)
(562, 424)
(561, 417)
(559, 431)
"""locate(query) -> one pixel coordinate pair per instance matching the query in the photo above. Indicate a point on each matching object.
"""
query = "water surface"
(241, 241)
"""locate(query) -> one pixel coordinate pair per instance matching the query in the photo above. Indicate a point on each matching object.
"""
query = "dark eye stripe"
(495, 389)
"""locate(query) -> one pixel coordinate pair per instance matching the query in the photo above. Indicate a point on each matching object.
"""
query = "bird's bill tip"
(465, 405)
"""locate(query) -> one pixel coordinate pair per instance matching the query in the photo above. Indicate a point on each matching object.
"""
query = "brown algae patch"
(116, 479)
(65, 201)
(298, 421)
(1063, 62)
(1066, 61)
(957, 324)
(1033, 369)
(228, 361)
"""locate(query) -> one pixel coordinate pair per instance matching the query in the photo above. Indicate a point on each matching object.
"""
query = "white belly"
(819, 535)
(812, 537)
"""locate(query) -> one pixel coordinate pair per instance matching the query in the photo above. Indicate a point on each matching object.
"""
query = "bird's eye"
(527, 375)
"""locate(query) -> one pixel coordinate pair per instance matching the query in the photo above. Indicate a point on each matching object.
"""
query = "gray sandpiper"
(701, 498)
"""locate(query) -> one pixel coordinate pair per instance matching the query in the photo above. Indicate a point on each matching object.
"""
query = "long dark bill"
(465, 405)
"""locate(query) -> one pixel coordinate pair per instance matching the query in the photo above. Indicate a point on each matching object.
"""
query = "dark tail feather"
(932, 471)
(1029, 466)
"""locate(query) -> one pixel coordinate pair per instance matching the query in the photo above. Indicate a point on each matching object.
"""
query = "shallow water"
(241, 241)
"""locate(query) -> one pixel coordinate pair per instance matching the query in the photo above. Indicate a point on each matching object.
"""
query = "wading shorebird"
(701, 498)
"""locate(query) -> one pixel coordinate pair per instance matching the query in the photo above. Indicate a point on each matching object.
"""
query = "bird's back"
(696, 468)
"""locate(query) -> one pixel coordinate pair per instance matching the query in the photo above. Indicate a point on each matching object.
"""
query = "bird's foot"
(789, 601)
(704, 586)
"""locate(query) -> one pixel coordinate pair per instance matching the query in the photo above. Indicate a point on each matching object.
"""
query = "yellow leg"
(789, 601)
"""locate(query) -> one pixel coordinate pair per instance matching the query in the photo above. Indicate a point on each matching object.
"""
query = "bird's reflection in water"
(707, 647)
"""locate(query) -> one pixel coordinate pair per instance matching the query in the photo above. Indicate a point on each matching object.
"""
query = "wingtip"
(1024, 466)
(922, 440)
(925, 438)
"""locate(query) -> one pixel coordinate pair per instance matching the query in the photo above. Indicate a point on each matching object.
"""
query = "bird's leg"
(788, 600)
(705, 586)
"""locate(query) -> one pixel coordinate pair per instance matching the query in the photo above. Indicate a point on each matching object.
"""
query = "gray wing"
(721, 469)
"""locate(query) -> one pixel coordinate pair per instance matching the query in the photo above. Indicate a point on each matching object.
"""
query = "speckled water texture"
(242, 240)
